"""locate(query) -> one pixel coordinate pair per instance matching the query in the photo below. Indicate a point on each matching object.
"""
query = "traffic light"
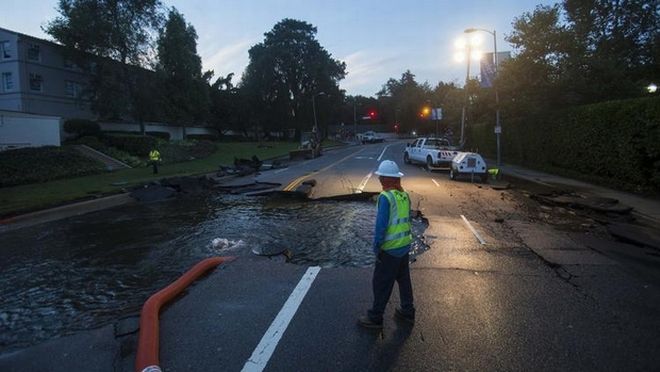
(425, 112)
(372, 115)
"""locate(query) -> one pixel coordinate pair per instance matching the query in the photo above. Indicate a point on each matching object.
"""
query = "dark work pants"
(155, 165)
(388, 270)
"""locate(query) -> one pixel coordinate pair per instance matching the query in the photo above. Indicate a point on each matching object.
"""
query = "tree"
(285, 72)
(581, 51)
(119, 33)
(179, 67)
(405, 98)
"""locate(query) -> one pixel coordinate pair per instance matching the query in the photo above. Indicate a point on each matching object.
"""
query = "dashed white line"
(281, 170)
(266, 347)
(363, 184)
(436, 182)
(382, 153)
(476, 234)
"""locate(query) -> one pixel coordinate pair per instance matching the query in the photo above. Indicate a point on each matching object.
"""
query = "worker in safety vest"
(154, 159)
(392, 241)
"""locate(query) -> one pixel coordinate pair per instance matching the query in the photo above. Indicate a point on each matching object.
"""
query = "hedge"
(41, 164)
(134, 145)
(82, 127)
(616, 143)
(122, 156)
(175, 152)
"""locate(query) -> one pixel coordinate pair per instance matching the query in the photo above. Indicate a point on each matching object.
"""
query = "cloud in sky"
(228, 58)
(363, 67)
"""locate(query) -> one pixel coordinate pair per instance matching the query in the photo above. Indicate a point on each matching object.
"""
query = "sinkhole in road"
(85, 271)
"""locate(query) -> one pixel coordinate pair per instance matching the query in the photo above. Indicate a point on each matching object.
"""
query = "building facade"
(37, 79)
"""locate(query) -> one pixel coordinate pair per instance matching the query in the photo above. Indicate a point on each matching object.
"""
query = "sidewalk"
(645, 207)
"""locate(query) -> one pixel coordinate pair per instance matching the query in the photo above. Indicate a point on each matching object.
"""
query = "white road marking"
(382, 153)
(363, 184)
(436, 182)
(266, 347)
(281, 170)
(481, 240)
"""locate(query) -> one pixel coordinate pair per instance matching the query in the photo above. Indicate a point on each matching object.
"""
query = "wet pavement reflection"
(82, 272)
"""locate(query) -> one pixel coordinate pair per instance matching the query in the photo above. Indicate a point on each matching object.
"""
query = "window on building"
(34, 52)
(5, 49)
(7, 81)
(72, 88)
(36, 82)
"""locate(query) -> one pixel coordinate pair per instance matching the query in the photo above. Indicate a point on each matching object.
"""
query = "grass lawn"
(24, 198)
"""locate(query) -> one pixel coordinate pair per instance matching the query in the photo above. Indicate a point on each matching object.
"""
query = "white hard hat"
(388, 168)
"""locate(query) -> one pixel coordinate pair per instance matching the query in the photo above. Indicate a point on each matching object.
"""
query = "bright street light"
(652, 88)
(476, 40)
(498, 126)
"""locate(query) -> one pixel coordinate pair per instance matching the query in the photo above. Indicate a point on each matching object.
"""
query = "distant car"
(469, 164)
(370, 137)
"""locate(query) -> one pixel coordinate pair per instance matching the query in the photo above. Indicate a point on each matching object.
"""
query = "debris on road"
(636, 234)
(577, 201)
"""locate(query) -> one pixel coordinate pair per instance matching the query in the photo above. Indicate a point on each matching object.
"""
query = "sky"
(377, 40)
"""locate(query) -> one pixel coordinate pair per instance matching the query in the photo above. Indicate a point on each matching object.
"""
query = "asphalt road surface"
(506, 285)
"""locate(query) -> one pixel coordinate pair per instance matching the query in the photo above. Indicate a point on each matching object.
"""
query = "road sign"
(436, 114)
(498, 129)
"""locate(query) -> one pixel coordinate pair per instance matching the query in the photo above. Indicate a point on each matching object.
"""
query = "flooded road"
(78, 273)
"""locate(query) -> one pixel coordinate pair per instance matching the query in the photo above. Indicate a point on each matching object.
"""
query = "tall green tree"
(286, 71)
(184, 86)
(406, 97)
(120, 33)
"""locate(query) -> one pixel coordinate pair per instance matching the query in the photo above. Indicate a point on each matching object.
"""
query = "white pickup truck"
(434, 152)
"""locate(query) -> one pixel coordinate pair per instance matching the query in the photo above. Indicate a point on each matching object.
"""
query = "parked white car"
(469, 164)
(434, 152)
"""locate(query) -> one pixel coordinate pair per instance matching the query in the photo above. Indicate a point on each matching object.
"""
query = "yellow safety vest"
(398, 233)
(154, 155)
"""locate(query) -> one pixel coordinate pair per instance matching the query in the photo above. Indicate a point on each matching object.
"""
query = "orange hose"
(147, 353)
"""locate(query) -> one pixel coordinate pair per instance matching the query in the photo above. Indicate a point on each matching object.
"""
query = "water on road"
(81, 272)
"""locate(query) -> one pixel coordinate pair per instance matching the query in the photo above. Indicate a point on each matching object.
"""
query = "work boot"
(400, 315)
(367, 322)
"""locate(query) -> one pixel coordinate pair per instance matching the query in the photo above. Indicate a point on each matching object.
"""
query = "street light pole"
(498, 124)
(467, 79)
(316, 125)
(355, 117)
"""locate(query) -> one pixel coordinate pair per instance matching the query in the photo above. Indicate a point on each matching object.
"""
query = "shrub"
(41, 164)
(122, 156)
(161, 135)
(202, 137)
(175, 152)
(82, 127)
(134, 145)
(615, 143)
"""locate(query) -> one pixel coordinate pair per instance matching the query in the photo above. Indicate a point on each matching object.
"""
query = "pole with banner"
(436, 114)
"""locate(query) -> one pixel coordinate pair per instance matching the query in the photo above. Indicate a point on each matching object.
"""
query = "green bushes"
(41, 164)
(616, 143)
(134, 145)
(82, 127)
(183, 151)
(122, 156)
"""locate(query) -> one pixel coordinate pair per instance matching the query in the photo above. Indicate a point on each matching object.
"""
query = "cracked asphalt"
(536, 296)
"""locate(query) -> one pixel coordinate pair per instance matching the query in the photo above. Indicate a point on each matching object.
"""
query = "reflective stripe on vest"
(154, 155)
(398, 233)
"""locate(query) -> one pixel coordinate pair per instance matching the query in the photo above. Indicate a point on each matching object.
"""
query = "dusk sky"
(376, 39)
